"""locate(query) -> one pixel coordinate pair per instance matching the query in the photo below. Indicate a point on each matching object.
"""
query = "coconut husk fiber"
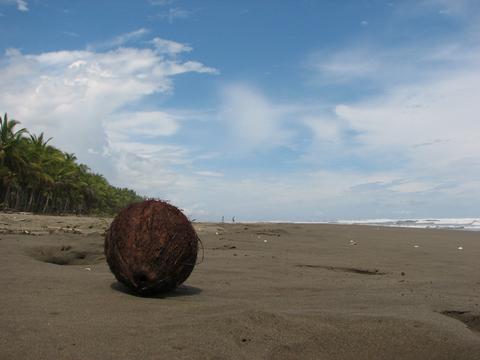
(151, 247)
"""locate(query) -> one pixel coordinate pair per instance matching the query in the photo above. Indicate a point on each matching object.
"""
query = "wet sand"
(263, 291)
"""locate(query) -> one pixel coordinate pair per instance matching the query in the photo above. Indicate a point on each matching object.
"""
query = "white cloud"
(387, 67)
(143, 125)
(300, 196)
(80, 99)
(209, 173)
(22, 5)
(412, 186)
(411, 115)
(149, 168)
(252, 120)
(325, 129)
(428, 129)
(405, 125)
(169, 47)
(344, 65)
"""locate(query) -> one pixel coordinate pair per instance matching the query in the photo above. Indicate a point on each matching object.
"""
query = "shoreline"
(79, 220)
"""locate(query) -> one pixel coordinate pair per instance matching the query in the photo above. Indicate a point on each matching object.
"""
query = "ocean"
(470, 224)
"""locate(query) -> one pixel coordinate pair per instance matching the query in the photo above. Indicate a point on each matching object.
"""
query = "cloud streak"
(175, 13)
(169, 47)
(161, 2)
(119, 40)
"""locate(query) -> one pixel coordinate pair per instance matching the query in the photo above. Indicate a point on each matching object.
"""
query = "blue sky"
(263, 110)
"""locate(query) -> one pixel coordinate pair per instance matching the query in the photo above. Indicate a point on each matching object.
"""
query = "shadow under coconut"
(182, 290)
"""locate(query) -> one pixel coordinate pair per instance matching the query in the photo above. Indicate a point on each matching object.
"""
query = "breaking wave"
(471, 224)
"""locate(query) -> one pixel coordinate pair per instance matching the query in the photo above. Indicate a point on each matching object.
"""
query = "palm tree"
(36, 176)
(39, 142)
(9, 138)
(38, 153)
(10, 159)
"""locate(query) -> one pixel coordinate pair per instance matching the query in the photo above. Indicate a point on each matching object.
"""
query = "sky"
(292, 110)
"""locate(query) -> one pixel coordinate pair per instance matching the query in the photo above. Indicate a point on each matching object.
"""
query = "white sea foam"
(471, 224)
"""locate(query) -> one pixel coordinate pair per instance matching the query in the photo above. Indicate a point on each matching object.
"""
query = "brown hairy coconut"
(151, 247)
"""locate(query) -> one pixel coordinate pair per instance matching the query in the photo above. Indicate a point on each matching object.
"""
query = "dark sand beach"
(263, 291)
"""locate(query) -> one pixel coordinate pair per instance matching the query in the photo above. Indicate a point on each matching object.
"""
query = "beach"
(260, 291)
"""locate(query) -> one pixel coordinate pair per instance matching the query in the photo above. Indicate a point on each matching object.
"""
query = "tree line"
(37, 177)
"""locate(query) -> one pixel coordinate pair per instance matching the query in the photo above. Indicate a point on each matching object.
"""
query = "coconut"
(151, 247)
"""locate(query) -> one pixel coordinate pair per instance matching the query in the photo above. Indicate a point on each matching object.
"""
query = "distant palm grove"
(38, 177)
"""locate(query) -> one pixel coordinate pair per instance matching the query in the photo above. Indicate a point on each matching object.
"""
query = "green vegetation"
(37, 177)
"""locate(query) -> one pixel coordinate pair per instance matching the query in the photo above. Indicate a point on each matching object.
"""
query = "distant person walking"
(233, 219)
